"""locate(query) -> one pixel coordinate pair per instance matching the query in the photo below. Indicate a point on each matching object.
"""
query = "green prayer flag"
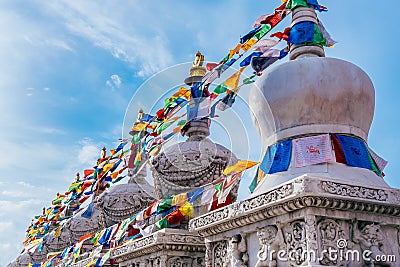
(218, 187)
(165, 204)
(182, 123)
(136, 138)
(318, 37)
(263, 31)
(292, 4)
(225, 59)
(161, 224)
(164, 126)
(222, 88)
(254, 183)
(249, 80)
(375, 168)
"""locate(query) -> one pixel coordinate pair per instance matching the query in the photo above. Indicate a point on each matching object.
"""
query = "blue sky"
(70, 68)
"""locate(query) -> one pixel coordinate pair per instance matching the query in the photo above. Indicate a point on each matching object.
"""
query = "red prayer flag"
(338, 149)
(86, 173)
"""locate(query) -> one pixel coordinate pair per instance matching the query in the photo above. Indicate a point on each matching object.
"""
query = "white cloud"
(88, 153)
(114, 82)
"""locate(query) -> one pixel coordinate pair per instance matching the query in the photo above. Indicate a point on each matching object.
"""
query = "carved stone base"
(165, 248)
(308, 221)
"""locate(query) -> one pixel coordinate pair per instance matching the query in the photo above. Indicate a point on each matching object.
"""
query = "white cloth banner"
(312, 150)
(378, 160)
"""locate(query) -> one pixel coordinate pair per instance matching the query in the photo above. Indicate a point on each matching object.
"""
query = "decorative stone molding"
(329, 232)
(220, 254)
(163, 240)
(354, 191)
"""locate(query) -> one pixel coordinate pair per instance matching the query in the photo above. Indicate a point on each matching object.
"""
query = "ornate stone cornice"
(303, 192)
(162, 240)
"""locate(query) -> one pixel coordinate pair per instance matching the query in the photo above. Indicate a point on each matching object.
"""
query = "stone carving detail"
(219, 254)
(311, 233)
(180, 262)
(271, 241)
(354, 191)
(57, 242)
(369, 236)
(296, 242)
(329, 233)
(264, 199)
(238, 208)
(124, 201)
(237, 255)
(188, 165)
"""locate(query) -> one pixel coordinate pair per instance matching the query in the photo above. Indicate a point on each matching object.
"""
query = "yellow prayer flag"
(154, 152)
(91, 263)
(240, 166)
(233, 81)
(235, 50)
(261, 175)
(114, 175)
(249, 44)
(182, 92)
(112, 152)
(187, 210)
(138, 127)
(179, 199)
(107, 167)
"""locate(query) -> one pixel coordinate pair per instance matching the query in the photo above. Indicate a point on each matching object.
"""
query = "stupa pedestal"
(309, 221)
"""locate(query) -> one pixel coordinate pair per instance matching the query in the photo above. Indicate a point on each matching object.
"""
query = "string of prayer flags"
(277, 158)
(240, 166)
(234, 51)
(227, 185)
(312, 150)
(249, 35)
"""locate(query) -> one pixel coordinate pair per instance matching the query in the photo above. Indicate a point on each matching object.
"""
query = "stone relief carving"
(79, 226)
(296, 243)
(237, 255)
(369, 236)
(219, 254)
(188, 165)
(180, 262)
(124, 201)
(329, 231)
(354, 191)
(311, 233)
(271, 241)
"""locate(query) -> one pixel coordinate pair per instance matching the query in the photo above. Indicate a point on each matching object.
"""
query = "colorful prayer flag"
(240, 166)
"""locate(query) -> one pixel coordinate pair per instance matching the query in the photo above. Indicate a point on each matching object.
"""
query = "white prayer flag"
(264, 45)
(312, 150)
(378, 160)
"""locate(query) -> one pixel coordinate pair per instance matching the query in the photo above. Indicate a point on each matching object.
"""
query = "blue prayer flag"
(88, 212)
(302, 32)
(195, 194)
(277, 158)
(355, 151)
(248, 36)
(247, 60)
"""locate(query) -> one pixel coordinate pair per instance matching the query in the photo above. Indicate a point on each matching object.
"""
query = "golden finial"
(77, 177)
(140, 114)
(103, 152)
(199, 59)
